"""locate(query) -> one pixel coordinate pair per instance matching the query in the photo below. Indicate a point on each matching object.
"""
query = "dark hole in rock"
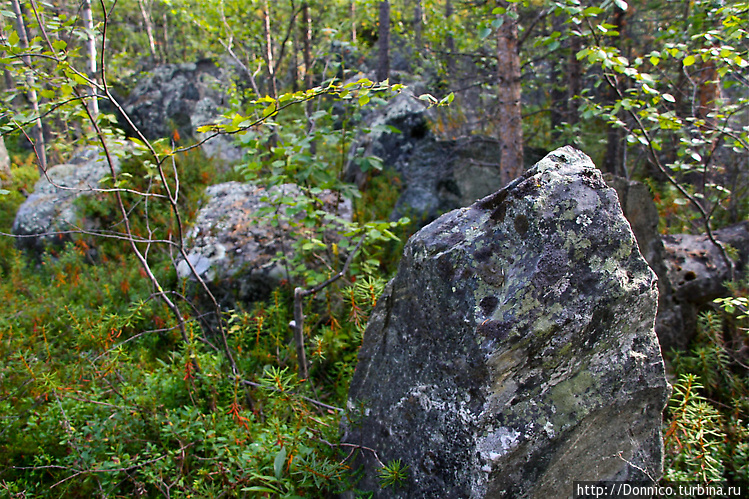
(419, 131)
(690, 276)
(488, 304)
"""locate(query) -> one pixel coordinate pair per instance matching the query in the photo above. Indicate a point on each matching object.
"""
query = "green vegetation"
(101, 396)
(109, 385)
(707, 437)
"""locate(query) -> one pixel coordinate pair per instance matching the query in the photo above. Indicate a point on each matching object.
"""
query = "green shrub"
(707, 435)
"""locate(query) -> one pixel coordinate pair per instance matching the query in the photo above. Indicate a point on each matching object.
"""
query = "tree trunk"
(149, 27)
(38, 130)
(383, 59)
(558, 95)
(449, 41)
(418, 27)
(508, 89)
(165, 45)
(614, 160)
(269, 51)
(708, 91)
(308, 76)
(574, 80)
(352, 15)
(88, 22)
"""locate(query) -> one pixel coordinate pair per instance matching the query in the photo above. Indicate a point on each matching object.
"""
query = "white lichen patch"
(549, 429)
(587, 200)
(498, 443)
(583, 220)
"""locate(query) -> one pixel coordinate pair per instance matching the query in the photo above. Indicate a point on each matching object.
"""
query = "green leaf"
(79, 79)
(279, 462)
(621, 4)
(592, 11)
(689, 60)
(363, 99)
(270, 110)
(669, 98)
(484, 32)
(428, 98)
(13, 38)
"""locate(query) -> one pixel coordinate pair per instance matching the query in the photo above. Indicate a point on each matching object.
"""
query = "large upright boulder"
(514, 351)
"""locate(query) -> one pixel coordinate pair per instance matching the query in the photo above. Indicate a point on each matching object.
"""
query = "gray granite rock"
(697, 272)
(235, 246)
(181, 98)
(49, 213)
(690, 269)
(514, 351)
(642, 215)
(437, 175)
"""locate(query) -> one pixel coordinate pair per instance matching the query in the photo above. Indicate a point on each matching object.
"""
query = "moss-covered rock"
(514, 351)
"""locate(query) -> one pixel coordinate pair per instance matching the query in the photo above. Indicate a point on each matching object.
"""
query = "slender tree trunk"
(165, 44)
(352, 15)
(449, 41)
(38, 130)
(88, 21)
(383, 59)
(308, 76)
(295, 61)
(574, 80)
(269, 51)
(708, 93)
(149, 27)
(307, 48)
(508, 88)
(558, 91)
(614, 160)
(418, 27)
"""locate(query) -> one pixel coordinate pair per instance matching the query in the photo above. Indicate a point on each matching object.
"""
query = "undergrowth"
(101, 397)
(707, 432)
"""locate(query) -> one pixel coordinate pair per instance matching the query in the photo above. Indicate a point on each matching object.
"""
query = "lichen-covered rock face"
(234, 247)
(642, 214)
(697, 272)
(49, 213)
(514, 351)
